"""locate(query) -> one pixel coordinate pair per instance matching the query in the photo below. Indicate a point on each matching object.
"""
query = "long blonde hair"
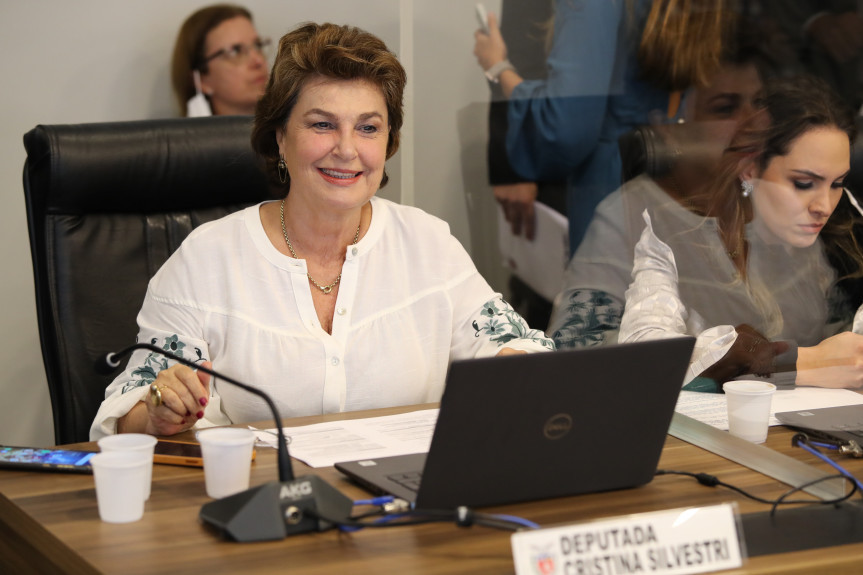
(681, 44)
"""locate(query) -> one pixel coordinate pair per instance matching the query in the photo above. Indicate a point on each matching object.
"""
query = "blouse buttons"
(354, 251)
(335, 361)
(341, 311)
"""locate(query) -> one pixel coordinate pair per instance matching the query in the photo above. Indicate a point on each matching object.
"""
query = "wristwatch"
(493, 73)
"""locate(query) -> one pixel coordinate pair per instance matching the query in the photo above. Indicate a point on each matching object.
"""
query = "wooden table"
(49, 522)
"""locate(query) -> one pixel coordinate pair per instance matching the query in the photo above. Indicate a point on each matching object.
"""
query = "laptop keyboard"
(410, 480)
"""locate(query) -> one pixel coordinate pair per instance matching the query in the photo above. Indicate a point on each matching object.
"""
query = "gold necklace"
(327, 288)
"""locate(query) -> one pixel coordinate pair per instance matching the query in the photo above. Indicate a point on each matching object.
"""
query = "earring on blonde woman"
(746, 187)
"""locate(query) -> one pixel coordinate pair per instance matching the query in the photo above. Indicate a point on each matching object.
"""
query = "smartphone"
(482, 18)
(178, 453)
(172, 452)
(46, 459)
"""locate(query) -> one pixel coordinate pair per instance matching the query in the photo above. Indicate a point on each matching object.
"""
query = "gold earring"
(282, 170)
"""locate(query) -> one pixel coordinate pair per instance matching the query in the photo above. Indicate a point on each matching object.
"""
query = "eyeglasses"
(239, 53)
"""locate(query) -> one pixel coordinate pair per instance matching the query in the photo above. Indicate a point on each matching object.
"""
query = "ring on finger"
(156, 394)
(755, 344)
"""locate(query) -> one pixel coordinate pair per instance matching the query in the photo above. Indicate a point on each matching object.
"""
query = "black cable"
(854, 489)
(802, 440)
(371, 513)
(713, 481)
(463, 517)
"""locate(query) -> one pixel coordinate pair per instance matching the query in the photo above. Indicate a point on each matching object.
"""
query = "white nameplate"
(678, 541)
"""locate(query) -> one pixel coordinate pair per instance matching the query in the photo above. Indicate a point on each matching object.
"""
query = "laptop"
(535, 426)
(840, 424)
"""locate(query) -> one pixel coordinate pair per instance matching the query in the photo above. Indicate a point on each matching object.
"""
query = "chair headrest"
(145, 166)
(644, 151)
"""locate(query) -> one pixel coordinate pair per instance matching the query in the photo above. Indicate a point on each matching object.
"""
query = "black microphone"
(273, 510)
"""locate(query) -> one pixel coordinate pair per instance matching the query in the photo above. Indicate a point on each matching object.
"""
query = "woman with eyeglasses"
(220, 63)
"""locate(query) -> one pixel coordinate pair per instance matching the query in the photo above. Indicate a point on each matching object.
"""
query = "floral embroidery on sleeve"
(502, 324)
(146, 373)
(590, 314)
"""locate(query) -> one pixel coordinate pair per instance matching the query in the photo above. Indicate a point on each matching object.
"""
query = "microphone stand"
(286, 472)
(273, 510)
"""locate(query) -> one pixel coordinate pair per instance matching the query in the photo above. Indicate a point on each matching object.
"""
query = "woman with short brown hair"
(330, 299)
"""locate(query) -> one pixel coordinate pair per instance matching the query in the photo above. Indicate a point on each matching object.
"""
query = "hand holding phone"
(482, 18)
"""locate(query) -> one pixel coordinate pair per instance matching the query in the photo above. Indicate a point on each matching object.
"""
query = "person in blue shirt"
(612, 66)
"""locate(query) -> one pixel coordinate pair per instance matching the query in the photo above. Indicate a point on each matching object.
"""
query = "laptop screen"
(534, 426)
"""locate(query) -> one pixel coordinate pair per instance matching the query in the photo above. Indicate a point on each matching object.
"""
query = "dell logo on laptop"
(557, 426)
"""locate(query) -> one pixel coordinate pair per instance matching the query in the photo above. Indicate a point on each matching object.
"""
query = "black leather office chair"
(643, 151)
(106, 205)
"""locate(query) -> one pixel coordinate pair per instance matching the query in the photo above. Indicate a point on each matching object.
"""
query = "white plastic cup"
(227, 455)
(749, 408)
(132, 442)
(120, 477)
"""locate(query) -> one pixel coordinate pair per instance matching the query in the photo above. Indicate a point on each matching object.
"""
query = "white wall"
(108, 60)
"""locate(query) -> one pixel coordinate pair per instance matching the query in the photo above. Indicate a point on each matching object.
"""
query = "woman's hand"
(184, 394)
(509, 351)
(518, 201)
(750, 353)
(835, 362)
(490, 48)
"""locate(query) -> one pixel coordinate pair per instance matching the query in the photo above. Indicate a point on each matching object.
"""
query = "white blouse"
(785, 295)
(409, 301)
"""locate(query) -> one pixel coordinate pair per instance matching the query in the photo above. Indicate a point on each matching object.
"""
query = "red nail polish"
(203, 401)
(200, 414)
